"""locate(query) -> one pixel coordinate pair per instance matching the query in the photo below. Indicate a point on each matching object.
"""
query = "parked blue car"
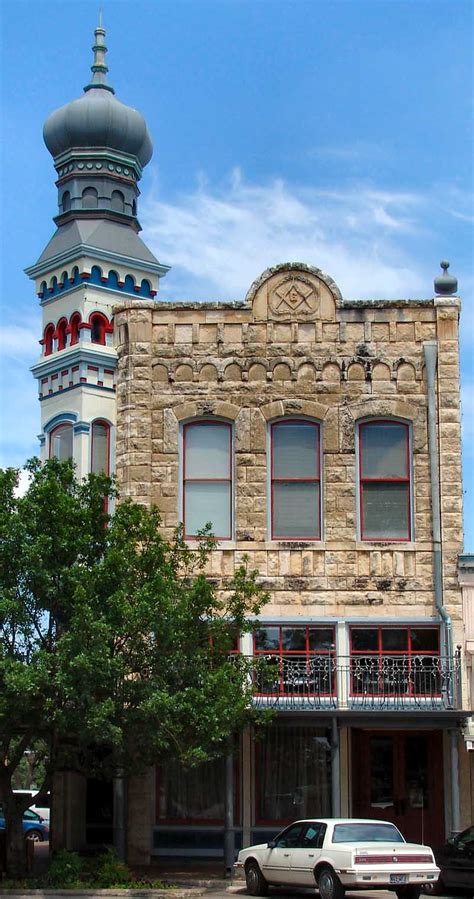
(34, 826)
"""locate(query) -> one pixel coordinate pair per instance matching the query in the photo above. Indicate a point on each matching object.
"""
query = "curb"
(145, 893)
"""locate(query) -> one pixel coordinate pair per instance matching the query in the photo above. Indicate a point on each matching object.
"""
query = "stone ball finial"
(445, 285)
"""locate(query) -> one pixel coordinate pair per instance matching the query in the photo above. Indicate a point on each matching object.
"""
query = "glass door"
(398, 777)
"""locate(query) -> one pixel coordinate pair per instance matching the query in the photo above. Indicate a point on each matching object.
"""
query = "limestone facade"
(253, 362)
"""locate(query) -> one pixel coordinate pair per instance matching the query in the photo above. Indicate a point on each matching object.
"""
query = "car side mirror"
(271, 844)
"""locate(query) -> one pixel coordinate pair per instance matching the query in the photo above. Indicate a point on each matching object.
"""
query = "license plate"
(399, 878)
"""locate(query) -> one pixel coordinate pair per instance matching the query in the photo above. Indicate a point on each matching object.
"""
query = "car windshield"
(366, 833)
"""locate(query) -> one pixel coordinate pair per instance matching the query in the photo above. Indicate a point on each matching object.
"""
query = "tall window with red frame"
(100, 452)
(60, 442)
(385, 480)
(393, 660)
(74, 324)
(295, 480)
(61, 333)
(300, 660)
(207, 478)
(48, 339)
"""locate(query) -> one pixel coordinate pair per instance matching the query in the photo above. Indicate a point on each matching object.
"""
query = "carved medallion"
(294, 296)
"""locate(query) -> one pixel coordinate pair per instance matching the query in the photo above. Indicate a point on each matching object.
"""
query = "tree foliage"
(114, 643)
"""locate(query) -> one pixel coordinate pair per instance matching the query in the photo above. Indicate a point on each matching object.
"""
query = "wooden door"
(398, 777)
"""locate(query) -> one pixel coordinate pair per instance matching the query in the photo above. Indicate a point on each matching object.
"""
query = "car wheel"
(34, 836)
(256, 883)
(409, 892)
(329, 885)
(437, 888)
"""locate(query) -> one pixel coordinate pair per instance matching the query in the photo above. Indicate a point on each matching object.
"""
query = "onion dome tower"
(94, 260)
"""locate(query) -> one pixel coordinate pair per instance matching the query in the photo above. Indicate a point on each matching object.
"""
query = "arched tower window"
(117, 201)
(134, 207)
(61, 333)
(99, 323)
(60, 442)
(66, 201)
(100, 447)
(48, 339)
(90, 198)
(74, 325)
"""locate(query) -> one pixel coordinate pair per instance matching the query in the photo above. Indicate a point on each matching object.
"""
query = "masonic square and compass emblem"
(294, 296)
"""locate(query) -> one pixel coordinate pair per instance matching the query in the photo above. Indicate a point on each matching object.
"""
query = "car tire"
(34, 835)
(256, 883)
(434, 889)
(329, 885)
(410, 892)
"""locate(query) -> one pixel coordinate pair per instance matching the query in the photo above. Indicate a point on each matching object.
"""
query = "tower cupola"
(100, 147)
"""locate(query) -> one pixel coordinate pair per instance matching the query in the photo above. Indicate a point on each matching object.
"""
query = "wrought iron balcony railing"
(368, 682)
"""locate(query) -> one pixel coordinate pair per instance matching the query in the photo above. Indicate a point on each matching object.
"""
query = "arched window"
(90, 198)
(60, 442)
(117, 201)
(145, 288)
(385, 480)
(43, 289)
(113, 280)
(53, 284)
(66, 201)
(64, 280)
(48, 339)
(74, 279)
(96, 275)
(99, 323)
(100, 447)
(129, 283)
(61, 333)
(207, 478)
(134, 207)
(74, 325)
(295, 480)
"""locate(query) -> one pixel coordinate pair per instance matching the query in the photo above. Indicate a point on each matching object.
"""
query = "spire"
(99, 68)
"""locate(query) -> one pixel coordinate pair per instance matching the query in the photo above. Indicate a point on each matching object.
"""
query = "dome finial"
(445, 285)
(99, 68)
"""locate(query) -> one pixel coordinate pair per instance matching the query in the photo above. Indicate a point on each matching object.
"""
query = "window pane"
(207, 449)
(296, 509)
(295, 450)
(321, 638)
(425, 639)
(364, 639)
(267, 638)
(395, 639)
(294, 774)
(61, 443)
(191, 794)
(206, 502)
(294, 638)
(385, 511)
(100, 449)
(384, 450)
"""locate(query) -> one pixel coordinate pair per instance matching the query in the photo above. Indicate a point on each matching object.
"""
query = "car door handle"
(310, 854)
(286, 854)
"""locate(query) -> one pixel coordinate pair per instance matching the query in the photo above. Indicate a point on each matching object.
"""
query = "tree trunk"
(15, 842)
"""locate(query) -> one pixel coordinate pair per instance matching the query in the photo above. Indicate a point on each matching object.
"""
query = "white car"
(339, 854)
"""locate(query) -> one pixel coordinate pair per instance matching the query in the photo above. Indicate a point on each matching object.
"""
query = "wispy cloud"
(219, 238)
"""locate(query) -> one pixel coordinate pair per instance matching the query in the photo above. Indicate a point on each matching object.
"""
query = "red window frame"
(393, 480)
(61, 427)
(61, 331)
(282, 654)
(74, 326)
(315, 480)
(48, 339)
(229, 479)
(380, 653)
(100, 321)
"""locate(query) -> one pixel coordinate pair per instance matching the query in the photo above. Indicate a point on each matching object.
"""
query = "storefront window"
(293, 774)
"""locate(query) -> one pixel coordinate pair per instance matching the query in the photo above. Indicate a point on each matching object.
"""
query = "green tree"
(114, 644)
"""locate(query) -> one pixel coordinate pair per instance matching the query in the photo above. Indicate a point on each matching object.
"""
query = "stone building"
(321, 437)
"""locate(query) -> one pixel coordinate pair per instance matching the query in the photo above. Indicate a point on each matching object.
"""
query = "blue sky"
(336, 133)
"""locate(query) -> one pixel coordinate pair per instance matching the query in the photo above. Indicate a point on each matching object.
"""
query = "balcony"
(359, 682)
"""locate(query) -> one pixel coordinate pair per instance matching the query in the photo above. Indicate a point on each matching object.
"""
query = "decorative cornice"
(73, 356)
(88, 386)
(74, 253)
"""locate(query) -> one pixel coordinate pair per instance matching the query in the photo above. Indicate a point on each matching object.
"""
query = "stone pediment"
(294, 291)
